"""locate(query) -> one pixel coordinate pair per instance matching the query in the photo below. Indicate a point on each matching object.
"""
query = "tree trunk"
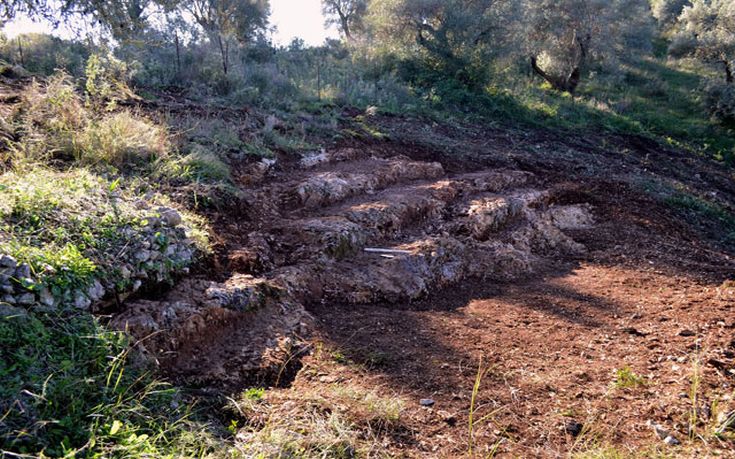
(318, 77)
(570, 82)
(344, 21)
(563, 84)
(345, 26)
(20, 52)
(178, 53)
(729, 77)
(224, 50)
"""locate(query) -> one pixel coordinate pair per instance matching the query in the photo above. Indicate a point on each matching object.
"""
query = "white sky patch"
(291, 18)
(299, 18)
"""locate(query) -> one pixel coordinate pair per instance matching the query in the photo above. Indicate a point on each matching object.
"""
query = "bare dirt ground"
(650, 295)
(552, 345)
(591, 308)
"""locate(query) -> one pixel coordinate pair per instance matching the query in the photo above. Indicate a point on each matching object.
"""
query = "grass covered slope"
(68, 240)
(654, 97)
(81, 228)
(74, 238)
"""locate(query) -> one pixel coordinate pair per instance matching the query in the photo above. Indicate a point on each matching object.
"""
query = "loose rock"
(671, 441)
(27, 299)
(46, 298)
(23, 271)
(81, 301)
(170, 216)
(573, 428)
(6, 261)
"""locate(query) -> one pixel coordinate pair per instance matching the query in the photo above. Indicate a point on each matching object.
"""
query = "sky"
(292, 18)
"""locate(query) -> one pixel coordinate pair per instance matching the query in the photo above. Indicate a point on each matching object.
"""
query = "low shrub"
(55, 124)
(51, 117)
(719, 99)
(338, 421)
(68, 389)
(122, 139)
(106, 81)
(200, 166)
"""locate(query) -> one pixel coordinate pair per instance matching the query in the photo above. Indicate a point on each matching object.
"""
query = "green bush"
(720, 101)
(106, 81)
(45, 54)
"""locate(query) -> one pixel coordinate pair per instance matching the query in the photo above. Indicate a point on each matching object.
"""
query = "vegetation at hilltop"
(119, 148)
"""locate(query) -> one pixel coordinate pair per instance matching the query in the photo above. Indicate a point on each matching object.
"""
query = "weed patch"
(68, 389)
(625, 378)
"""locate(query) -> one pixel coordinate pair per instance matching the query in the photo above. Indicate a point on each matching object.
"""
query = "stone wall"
(154, 254)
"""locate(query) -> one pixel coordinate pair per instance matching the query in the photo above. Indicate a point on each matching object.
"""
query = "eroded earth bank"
(522, 295)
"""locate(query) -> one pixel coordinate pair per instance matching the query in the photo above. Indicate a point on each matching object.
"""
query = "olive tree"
(667, 12)
(453, 38)
(229, 21)
(123, 19)
(708, 34)
(10, 8)
(565, 37)
(347, 14)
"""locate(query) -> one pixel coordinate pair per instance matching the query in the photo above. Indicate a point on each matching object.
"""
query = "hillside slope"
(406, 286)
(589, 278)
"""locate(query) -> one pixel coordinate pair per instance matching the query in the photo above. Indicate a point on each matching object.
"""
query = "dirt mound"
(346, 228)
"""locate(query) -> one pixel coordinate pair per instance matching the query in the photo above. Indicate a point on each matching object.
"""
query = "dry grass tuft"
(121, 139)
(339, 421)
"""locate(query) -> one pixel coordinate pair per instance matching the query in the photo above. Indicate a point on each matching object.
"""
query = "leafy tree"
(450, 38)
(10, 8)
(44, 53)
(125, 19)
(708, 33)
(347, 14)
(229, 21)
(667, 12)
(564, 37)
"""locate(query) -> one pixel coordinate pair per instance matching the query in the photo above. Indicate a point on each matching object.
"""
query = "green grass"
(68, 390)
(199, 166)
(67, 387)
(650, 97)
(696, 209)
(254, 394)
(707, 213)
(286, 143)
(121, 139)
(73, 227)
